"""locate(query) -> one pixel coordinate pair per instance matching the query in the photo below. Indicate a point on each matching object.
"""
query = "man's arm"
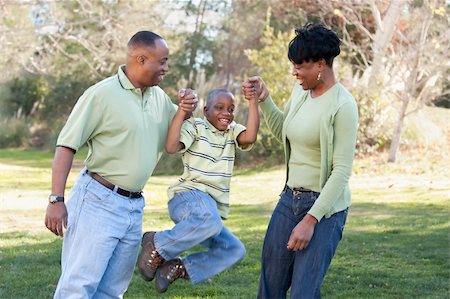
(56, 215)
(248, 136)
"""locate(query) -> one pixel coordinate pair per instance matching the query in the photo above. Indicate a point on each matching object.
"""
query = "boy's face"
(220, 111)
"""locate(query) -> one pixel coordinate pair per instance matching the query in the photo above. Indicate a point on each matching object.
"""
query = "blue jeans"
(303, 271)
(197, 221)
(101, 243)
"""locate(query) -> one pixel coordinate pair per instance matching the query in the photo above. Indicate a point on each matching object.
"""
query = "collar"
(214, 129)
(123, 79)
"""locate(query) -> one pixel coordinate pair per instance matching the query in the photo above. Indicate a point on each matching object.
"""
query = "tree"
(274, 67)
(403, 64)
(420, 62)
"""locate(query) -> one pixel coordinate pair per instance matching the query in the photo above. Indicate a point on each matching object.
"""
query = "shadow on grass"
(388, 251)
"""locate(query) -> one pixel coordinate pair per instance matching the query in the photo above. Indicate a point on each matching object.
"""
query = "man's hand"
(255, 87)
(187, 100)
(302, 233)
(56, 218)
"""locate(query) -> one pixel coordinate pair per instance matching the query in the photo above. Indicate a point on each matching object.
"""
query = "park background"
(394, 60)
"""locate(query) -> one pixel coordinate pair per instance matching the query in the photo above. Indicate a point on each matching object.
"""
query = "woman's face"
(307, 74)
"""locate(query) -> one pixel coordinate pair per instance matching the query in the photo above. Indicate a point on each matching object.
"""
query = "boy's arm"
(248, 136)
(187, 102)
(173, 144)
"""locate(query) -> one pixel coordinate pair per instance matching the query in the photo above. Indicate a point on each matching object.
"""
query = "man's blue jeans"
(101, 243)
(303, 271)
(198, 221)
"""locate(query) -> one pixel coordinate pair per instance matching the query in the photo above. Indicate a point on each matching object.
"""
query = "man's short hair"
(143, 38)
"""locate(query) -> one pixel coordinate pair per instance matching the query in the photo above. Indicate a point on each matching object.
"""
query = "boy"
(200, 199)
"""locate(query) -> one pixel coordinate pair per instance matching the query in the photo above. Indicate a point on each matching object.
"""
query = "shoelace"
(175, 272)
(155, 260)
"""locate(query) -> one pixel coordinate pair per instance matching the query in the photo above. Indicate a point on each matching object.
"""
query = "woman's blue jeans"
(303, 271)
(197, 222)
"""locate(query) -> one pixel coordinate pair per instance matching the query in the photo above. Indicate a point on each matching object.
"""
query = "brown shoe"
(168, 273)
(149, 259)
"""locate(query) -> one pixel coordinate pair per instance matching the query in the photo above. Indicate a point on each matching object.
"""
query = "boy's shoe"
(149, 259)
(168, 273)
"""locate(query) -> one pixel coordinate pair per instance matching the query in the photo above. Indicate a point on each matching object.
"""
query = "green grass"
(395, 245)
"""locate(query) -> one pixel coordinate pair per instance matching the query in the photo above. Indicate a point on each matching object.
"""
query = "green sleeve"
(188, 134)
(344, 142)
(83, 122)
(274, 117)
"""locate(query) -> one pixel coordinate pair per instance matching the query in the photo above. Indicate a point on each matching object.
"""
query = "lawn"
(395, 245)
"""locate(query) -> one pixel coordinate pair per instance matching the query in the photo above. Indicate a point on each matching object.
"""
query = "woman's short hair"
(312, 43)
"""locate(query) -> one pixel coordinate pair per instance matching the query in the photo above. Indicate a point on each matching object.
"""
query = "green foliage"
(25, 95)
(375, 119)
(274, 67)
(36, 106)
(13, 133)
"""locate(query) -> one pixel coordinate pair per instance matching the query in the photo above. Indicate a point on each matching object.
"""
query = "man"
(124, 121)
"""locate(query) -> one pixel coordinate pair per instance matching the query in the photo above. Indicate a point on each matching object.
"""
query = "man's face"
(220, 111)
(154, 65)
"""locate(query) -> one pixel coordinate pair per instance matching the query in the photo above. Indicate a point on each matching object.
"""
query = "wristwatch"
(52, 198)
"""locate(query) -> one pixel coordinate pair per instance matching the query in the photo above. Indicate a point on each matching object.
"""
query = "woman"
(318, 130)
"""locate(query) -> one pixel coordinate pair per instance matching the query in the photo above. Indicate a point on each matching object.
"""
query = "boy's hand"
(187, 100)
(255, 87)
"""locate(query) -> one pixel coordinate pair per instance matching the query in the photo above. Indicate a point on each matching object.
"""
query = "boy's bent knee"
(212, 225)
(239, 251)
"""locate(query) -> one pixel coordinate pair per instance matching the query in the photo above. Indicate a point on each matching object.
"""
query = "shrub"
(13, 133)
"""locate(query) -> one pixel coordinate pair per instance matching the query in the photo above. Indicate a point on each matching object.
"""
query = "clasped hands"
(187, 100)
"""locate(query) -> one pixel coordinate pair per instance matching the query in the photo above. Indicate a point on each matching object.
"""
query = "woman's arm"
(345, 130)
(273, 116)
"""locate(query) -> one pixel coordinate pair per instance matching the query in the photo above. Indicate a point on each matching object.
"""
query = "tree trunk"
(383, 37)
(194, 49)
(397, 132)
(411, 91)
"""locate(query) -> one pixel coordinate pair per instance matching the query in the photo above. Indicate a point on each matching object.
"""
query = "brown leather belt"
(113, 187)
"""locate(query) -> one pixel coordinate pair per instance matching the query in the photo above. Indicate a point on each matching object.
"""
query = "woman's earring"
(319, 75)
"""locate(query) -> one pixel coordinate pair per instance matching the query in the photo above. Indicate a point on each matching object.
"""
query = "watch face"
(55, 198)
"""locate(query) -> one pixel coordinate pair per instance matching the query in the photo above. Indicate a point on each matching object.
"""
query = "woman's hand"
(255, 87)
(302, 233)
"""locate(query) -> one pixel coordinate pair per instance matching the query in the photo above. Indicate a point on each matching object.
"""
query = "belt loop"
(115, 188)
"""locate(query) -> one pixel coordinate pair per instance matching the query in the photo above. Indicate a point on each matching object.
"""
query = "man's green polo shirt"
(124, 129)
(208, 159)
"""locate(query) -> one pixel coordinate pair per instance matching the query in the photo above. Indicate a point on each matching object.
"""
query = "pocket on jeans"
(97, 192)
(307, 200)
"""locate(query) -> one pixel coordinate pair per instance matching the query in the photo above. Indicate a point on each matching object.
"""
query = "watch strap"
(55, 198)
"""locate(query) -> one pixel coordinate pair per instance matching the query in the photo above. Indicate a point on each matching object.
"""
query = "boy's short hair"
(214, 93)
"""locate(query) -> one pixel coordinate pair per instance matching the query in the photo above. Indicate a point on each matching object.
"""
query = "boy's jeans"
(101, 242)
(303, 271)
(198, 221)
